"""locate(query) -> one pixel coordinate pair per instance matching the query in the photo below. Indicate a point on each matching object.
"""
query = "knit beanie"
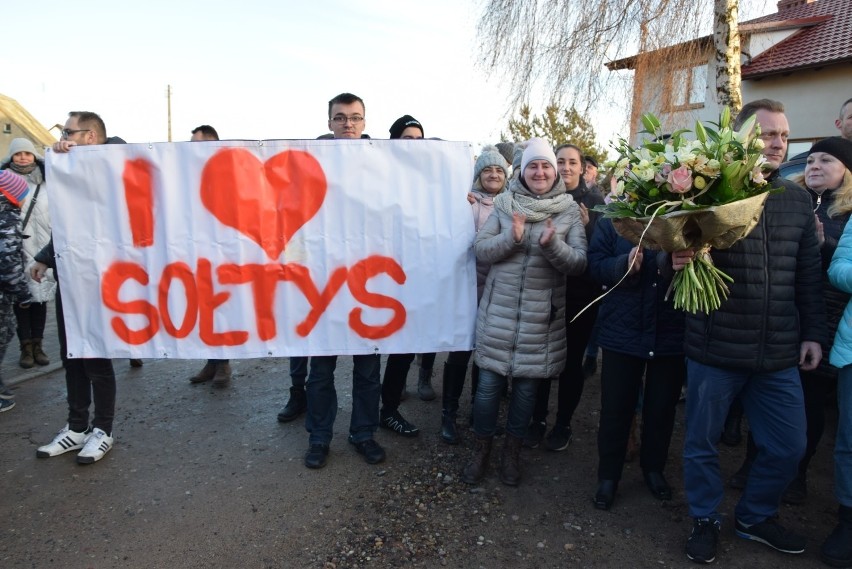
(537, 149)
(518, 153)
(20, 145)
(489, 156)
(507, 149)
(13, 186)
(838, 147)
(403, 123)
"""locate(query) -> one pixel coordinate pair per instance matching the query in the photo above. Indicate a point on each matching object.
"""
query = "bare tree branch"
(558, 49)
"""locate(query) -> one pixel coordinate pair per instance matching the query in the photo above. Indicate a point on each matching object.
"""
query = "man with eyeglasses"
(771, 325)
(346, 116)
(89, 379)
(345, 120)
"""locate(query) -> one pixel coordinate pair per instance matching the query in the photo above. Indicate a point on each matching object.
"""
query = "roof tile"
(829, 41)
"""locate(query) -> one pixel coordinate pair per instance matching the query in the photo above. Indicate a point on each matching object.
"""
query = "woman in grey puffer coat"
(532, 240)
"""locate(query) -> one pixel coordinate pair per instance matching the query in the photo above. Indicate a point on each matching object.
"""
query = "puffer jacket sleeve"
(568, 256)
(840, 270)
(840, 275)
(495, 242)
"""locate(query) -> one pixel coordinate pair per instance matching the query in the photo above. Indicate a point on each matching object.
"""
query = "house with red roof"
(800, 55)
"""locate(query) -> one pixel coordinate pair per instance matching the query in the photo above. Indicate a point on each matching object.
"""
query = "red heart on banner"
(268, 202)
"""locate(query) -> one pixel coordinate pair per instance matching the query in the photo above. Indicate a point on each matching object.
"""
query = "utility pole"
(169, 105)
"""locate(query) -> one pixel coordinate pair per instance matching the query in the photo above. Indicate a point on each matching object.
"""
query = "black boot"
(296, 405)
(453, 384)
(836, 550)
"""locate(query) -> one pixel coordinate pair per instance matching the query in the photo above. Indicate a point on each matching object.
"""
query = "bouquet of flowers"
(690, 190)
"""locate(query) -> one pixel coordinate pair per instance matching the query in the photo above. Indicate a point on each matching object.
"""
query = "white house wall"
(811, 98)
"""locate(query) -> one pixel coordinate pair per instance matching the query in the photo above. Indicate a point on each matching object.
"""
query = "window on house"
(7, 128)
(689, 85)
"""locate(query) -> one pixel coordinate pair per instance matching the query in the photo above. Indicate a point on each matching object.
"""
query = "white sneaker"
(64, 441)
(97, 445)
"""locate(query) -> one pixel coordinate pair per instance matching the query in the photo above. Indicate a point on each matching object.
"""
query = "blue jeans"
(322, 398)
(775, 408)
(486, 405)
(843, 443)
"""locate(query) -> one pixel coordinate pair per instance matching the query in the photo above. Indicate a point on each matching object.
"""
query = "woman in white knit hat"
(25, 161)
(532, 240)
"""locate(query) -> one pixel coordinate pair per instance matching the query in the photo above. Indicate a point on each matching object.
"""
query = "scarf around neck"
(535, 209)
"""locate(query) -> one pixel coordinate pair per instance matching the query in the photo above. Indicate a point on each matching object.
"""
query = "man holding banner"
(85, 378)
(346, 120)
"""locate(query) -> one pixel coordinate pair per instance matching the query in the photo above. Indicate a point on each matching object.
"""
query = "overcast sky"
(257, 69)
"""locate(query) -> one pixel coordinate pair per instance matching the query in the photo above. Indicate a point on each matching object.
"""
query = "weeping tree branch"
(558, 49)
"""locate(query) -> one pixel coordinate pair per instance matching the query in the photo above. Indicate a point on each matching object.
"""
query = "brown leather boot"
(206, 373)
(474, 472)
(510, 461)
(26, 360)
(38, 353)
(222, 377)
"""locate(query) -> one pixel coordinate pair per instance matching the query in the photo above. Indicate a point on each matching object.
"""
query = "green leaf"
(700, 133)
(651, 123)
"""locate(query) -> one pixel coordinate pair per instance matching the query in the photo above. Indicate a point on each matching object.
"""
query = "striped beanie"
(13, 186)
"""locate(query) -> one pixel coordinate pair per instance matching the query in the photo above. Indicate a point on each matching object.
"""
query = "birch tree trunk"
(726, 41)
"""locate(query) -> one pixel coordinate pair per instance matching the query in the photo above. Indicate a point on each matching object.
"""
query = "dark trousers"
(298, 371)
(815, 391)
(571, 379)
(322, 398)
(86, 380)
(621, 383)
(393, 384)
(427, 361)
(31, 321)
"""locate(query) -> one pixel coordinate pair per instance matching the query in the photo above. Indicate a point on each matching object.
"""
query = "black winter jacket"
(835, 299)
(633, 318)
(775, 302)
(582, 289)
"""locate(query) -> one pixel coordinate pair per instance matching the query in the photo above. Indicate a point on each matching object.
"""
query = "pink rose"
(680, 180)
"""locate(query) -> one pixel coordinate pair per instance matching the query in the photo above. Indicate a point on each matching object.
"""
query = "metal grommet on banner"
(260, 143)
(150, 146)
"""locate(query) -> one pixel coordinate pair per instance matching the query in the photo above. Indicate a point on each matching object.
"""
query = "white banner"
(243, 249)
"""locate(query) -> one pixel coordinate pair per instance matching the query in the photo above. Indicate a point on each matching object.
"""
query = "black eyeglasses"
(68, 133)
(341, 119)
